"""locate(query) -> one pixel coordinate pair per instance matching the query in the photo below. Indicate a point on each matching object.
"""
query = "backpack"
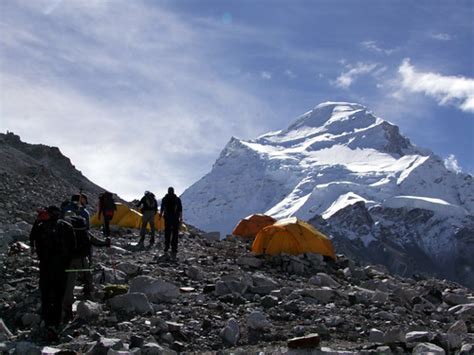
(107, 202)
(82, 242)
(53, 241)
(149, 202)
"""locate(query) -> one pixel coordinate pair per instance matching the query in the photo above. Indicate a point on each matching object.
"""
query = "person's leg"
(152, 226)
(143, 228)
(71, 280)
(107, 226)
(168, 229)
(174, 240)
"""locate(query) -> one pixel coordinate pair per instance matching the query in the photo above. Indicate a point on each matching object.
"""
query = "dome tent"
(127, 217)
(292, 236)
(248, 227)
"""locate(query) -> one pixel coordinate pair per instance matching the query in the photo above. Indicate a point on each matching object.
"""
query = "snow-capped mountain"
(332, 161)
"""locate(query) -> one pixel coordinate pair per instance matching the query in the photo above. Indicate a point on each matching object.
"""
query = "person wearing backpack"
(107, 209)
(52, 239)
(76, 213)
(172, 210)
(149, 210)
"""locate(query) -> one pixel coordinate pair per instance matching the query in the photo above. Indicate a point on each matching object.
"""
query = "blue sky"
(142, 95)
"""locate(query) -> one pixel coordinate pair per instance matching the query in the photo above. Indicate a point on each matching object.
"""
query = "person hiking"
(76, 213)
(149, 210)
(106, 208)
(52, 239)
(172, 210)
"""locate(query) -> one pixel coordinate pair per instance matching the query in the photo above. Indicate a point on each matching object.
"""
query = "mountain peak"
(329, 113)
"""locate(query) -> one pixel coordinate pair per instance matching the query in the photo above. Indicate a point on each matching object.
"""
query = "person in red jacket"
(107, 209)
(172, 210)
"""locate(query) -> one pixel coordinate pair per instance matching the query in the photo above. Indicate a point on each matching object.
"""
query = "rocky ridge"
(220, 297)
(32, 176)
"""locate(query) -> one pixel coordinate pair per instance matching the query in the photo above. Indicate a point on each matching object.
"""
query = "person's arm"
(162, 207)
(180, 210)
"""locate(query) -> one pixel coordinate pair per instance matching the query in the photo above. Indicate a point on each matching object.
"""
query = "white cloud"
(133, 109)
(346, 79)
(441, 36)
(451, 163)
(374, 47)
(266, 75)
(454, 90)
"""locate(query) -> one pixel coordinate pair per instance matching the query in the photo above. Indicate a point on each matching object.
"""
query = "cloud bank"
(457, 91)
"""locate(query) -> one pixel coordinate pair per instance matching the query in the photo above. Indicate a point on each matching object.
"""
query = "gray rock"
(465, 311)
(428, 348)
(376, 336)
(262, 284)
(231, 333)
(103, 345)
(394, 335)
(419, 336)
(29, 319)
(194, 273)
(88, 310)
(47, 350)
(454, 299)
(258, 321)
(384, 350)
(130, 269)
(156, 290)
(110, 276)
(232, 284)
(250, 261)
(327, 280)
(458, 327)
(467, 349)
(380, 297)
(134, 302)
(269, 301)
(322, 295)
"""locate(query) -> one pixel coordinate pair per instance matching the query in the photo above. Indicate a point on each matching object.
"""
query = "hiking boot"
(173, 257)
(152, 241)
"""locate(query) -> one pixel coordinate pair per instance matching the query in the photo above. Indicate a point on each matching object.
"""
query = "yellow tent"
(292, 236)
(127, 217)
(248, 227)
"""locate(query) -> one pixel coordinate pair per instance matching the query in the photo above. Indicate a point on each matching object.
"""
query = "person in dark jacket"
(53, 241)
(149, 210)
(172, 210)
(107, 209)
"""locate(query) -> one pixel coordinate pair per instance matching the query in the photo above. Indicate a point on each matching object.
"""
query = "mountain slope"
(332, 157)
(34, 175)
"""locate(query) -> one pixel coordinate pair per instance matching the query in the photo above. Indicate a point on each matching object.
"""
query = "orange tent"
(251, 225)
(292, 236)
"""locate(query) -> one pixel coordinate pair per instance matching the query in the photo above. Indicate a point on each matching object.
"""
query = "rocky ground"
(219, 298)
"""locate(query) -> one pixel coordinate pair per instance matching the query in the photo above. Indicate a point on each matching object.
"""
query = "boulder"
(88, 310)
(428, 348)
(134, 302)
(130, 269)
(231, 333)
(376, 336)
(262, 284)
(156, 290)
(250, 261)
(258, 321)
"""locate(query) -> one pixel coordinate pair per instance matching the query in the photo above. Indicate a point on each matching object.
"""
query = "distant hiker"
(172, 211)
(149, 210)
(107, 209)
(52, 239)
(78, 205)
